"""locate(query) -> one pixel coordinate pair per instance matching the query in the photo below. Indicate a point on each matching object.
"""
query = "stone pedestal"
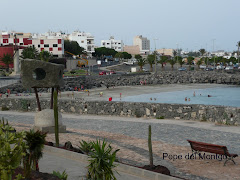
(44, 121)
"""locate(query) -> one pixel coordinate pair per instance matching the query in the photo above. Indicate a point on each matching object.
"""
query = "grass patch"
(79, 72)
(161, 117)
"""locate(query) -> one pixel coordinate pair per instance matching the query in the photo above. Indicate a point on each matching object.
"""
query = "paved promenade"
(130, 135)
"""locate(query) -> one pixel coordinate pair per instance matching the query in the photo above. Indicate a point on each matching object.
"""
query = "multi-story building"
(143, 43)
(133, 50)
(112, 43)
(166, 52)
(54, 45)
(85, 40)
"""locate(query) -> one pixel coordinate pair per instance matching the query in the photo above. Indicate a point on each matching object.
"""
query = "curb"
(120, 167)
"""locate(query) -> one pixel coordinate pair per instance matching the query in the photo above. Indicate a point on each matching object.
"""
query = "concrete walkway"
(74, 169)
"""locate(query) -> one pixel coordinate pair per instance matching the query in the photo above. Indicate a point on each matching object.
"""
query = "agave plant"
(101, 160)
(86, 147)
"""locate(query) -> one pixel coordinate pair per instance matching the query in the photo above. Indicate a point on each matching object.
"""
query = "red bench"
(212, 148)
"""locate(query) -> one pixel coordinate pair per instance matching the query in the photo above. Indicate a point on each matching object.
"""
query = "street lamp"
(155, 61)
(177, 52)
(214, 54)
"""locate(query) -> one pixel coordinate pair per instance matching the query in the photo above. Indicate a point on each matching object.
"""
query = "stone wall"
(164, 77)
(220, 114)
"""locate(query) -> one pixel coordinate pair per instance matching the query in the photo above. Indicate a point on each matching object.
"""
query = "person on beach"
(189, 99)
(185, 98)
(194, 94)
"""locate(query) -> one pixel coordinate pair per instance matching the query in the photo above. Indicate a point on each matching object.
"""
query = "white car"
(202, 67)
(229, 68)
(219, 67)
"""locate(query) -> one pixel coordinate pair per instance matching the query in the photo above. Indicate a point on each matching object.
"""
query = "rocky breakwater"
(219, 114)
(163, 77)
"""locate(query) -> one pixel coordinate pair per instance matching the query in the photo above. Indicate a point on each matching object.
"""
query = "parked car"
(182, 69)
(235, 66)
(202, 67)
(112, 72)
(145, 70)
(209, 69)
(229, 68)
(102, 73)
(219, 67)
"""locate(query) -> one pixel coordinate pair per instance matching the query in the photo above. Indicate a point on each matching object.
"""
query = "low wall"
(220, 114)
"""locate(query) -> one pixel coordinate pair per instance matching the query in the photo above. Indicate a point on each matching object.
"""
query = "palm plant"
(29, 53)
(45, 55)
(101, 161)
(150, 60)
(138, 56)
(238, 45)
(190, 61)
(35, 142)
(7, 59)
(172, 62)
(163, 60)
(141, 62)
(174, 53)
(179, 59)
(199, 63)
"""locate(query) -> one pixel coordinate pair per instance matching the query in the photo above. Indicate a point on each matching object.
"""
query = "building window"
(21, 43)
(55, 45)
(41, 41)
(46, 45)
(82, 41)
(50, 49)
(39, 45)
(103, 44)
(33, 46)
(107, 43)
(59, 49)
(59, 41)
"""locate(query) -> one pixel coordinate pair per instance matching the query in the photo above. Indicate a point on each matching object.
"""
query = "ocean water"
(225, 96)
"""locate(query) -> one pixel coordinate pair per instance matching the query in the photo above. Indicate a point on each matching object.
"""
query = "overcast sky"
(192, 24)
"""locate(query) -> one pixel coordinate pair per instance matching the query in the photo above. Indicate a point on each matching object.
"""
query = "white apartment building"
(143, 43)
(85, 40)
(112, 43)
(54, 45)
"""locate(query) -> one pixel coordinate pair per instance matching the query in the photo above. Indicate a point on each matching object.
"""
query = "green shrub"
(86, 147)
(24, 105)
(5, 108)
(137, 114)
(12, 147)
(62, 176)
(161, 117)
(101, 161)
(204, 119)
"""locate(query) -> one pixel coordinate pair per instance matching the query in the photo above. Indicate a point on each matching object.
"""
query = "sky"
(185, 24)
